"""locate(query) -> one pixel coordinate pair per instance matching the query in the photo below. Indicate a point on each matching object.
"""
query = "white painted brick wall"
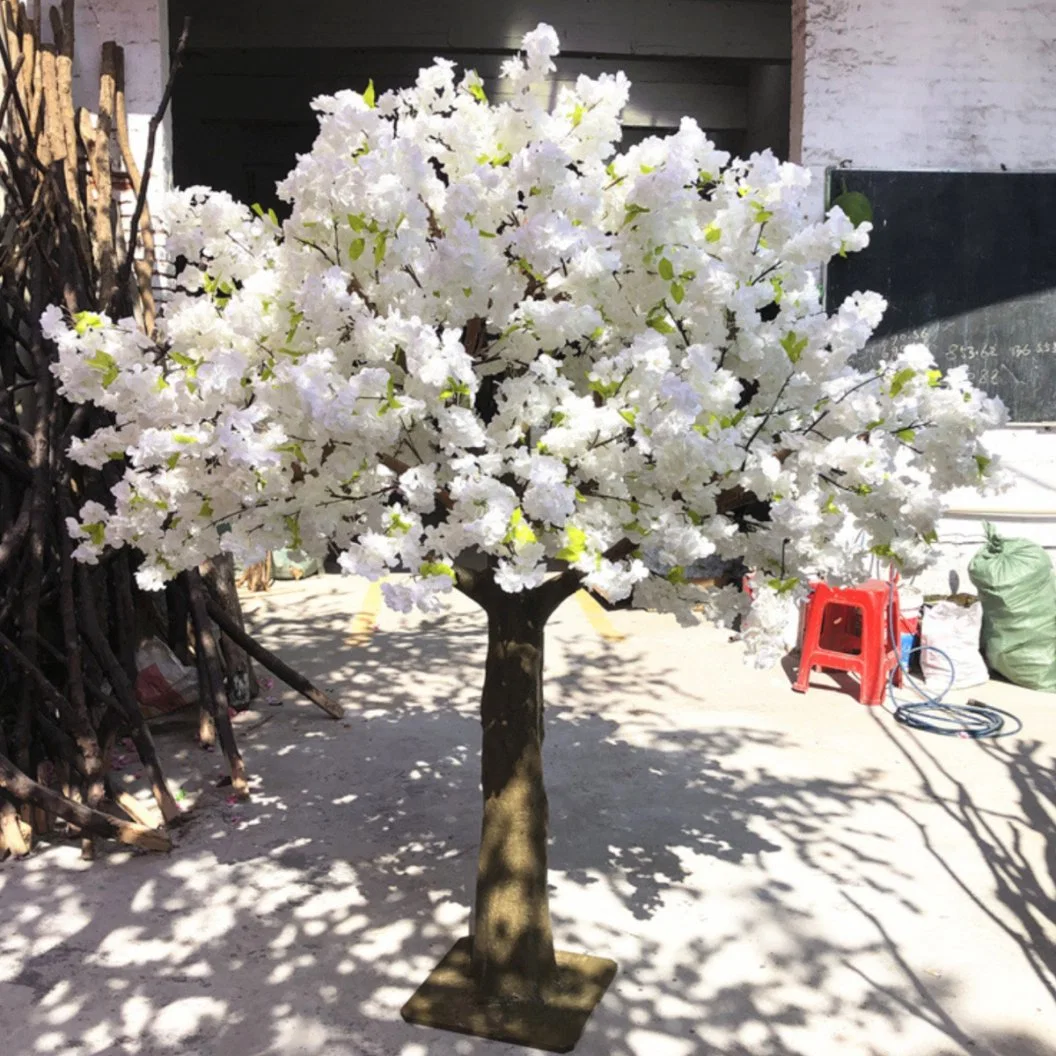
(947, 84)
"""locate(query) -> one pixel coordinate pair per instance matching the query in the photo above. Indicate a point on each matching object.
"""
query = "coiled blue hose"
(973, 720)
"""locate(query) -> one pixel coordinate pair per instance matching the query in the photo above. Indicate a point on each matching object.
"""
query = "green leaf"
(96, 532)
(882, 550)
(436, 568)
(901, 379)
(356, 248)
(712, 233)
(934, 379)
(677, 575)
(476, 88)
(206, 509)
(577, 115)
(930, 537)
(295, 449)
(629, 416)
(633, 210)
(379, 248)
(575, 544)
(830, 506)
(794, 345)
(983, 462)
(85, 321)
(907, 436)
(185, 361)
(660, 324)
(856, 206)
(666, 269)
(356, 222)
(783, 586)
(170, 462)
(369, 94)
(760, 214)
(296, 318)
(258, 211)
(678, 292)
(161, 384)
(106, 365)
(293, 528)
(605, 389)
(519, 533)
(184, 438)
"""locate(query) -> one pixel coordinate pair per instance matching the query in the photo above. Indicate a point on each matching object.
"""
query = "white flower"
(486, 329)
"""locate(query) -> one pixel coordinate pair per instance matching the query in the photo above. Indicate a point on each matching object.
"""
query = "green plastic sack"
(293, 564)
(1017, 587)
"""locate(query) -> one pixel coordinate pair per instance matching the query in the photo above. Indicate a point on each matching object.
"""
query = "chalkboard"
(967, 263)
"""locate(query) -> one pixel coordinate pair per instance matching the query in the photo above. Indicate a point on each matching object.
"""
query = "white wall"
(141, 28)
(946, 84)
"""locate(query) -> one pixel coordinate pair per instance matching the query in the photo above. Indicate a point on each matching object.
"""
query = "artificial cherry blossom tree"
(493, 352)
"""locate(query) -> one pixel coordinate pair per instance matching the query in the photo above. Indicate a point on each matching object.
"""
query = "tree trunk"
(513, 948)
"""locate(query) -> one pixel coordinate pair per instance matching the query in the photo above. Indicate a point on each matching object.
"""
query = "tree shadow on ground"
(298, 923)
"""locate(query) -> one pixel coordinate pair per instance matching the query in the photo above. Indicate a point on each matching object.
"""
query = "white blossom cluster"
(483, 328)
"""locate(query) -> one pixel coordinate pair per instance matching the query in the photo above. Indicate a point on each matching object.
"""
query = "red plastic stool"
(848, 629)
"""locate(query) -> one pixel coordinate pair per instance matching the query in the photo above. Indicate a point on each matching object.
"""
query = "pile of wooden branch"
(69, 632)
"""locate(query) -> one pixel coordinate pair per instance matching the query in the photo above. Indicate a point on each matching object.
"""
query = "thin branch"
(766, 417)
(148, 162)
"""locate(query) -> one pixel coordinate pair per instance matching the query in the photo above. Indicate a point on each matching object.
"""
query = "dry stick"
(50, 147)
(11, 832)
(94, 757)
(140, 813)
(50, 694)
(219, 576)
(152, 135)
(40, 463)
(209, 652)
(206, 703)
(26, 790)
(176, 610)
(10, 89)
(7, 49)
(124, 610)
(125, 696)
(146, 266)
(29, 45)
(67, 117)
(103, 202)
(269, 660)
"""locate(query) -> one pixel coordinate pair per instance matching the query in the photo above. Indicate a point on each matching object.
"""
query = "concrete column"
(768, 109)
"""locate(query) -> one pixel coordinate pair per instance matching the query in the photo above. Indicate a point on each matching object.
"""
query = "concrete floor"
(777, 875)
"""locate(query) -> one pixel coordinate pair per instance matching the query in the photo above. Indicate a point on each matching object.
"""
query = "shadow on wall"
(299, 922)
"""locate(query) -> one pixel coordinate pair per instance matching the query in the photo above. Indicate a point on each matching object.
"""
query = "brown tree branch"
(25, 790)
(125, 270)
(268, 659)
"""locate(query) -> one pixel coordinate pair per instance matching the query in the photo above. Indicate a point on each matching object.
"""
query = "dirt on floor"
(777, 875)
